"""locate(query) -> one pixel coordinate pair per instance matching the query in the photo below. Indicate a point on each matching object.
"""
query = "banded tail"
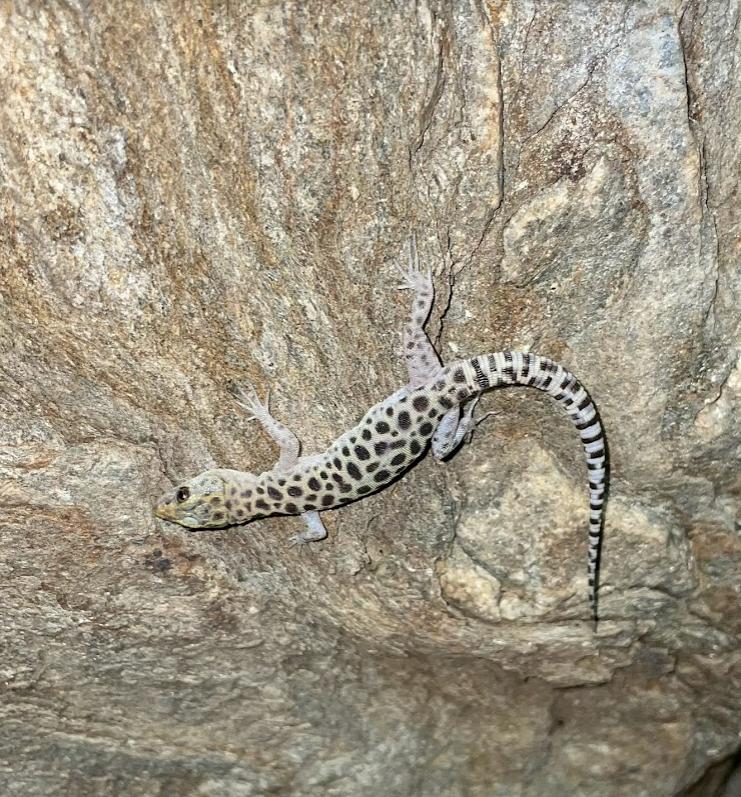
(519, 368)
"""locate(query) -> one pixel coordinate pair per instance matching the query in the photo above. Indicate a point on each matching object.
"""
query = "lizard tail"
(520, 368)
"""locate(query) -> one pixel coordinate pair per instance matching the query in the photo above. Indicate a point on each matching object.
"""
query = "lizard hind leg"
(422, 361)
(452, 429)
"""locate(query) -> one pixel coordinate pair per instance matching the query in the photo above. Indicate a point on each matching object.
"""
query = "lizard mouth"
(165, 509)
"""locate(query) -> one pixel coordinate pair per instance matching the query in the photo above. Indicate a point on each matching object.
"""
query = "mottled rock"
(197, 193)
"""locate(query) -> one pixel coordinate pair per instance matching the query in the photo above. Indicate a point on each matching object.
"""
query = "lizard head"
(213, 499)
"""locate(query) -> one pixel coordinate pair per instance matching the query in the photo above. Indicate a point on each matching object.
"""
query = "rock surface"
(195, 193)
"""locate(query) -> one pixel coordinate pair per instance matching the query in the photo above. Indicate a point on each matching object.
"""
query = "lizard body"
(388, 439)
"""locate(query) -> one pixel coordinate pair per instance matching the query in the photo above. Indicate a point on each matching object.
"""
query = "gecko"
(434, 410)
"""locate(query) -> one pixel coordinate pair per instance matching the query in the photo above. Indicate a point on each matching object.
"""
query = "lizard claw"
(412, 276)
(300, 541)
(474, 423)
(408, 278)
(485, 416)
(249, 401)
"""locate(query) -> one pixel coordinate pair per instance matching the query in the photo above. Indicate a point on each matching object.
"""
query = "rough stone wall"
(198, 192)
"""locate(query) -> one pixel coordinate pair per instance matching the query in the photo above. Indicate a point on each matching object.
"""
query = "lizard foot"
(412, 277)
(249, 401)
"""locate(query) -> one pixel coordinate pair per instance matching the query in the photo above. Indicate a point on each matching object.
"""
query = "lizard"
(434, 410)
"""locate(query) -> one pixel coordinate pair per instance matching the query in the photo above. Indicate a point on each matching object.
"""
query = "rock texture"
(199, 192)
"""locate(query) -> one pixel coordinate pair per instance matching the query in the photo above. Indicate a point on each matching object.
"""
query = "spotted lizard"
(433, 410)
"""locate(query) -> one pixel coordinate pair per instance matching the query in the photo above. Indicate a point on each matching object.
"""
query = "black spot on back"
(382, 427)
(314, 483)
(380, 448)
(274, 494)
(367, 434)
(260, 504)
(327, 500)
(292, 509)
(421, 403)
(381, 476)
(354, 470)
(426, 428)
(415, 447)
(363, 489)
(404, 420)
(398, 459)
(294, 490)
(361, 452)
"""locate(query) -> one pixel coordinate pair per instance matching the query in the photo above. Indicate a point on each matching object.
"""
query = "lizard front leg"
(314, 530)
(287, 441)
(290, 448)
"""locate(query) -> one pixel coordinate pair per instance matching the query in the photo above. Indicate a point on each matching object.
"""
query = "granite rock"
(197, 193)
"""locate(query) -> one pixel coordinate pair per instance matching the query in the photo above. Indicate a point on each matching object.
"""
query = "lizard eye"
(183, 494)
